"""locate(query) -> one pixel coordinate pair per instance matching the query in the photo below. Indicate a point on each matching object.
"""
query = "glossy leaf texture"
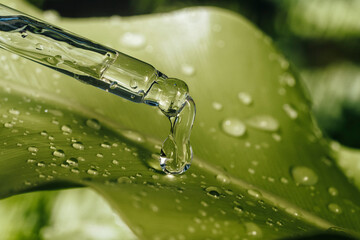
(262, 169)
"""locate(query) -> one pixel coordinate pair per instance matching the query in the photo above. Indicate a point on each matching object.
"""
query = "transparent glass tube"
(81, 58)
(109, 70)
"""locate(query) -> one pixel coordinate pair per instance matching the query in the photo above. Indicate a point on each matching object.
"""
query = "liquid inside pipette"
(109, 70)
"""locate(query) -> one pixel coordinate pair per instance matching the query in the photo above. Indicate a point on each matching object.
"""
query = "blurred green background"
(321, 40)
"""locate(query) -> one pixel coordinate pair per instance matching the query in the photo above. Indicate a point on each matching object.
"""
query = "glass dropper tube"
(107, 69)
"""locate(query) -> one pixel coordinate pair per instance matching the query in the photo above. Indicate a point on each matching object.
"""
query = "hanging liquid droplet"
(233, 127)
(245, 98)
(176, 152)
(264, 122)
(304, 176)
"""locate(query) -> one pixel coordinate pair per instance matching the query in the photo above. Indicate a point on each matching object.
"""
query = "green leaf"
(276, 180)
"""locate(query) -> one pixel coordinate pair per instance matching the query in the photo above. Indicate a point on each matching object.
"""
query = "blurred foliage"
(56, 215)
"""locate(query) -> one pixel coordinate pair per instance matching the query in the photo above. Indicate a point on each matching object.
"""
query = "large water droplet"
(78, 145)
(43, 133)
(59, 153)
(233, 127)
(304, 176)
(290, 111)
(92, 171)
(14, 111)
(333, 207)
(105, 145)
(125, 180)
(8, 125)
(333, 191)
(33, 149)
(134, 136)
(222, 179)
(72, 162)
(40, 164)
(264, 122)
(213, 192)
(66, 129)
(93, 123)
(245, 98)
